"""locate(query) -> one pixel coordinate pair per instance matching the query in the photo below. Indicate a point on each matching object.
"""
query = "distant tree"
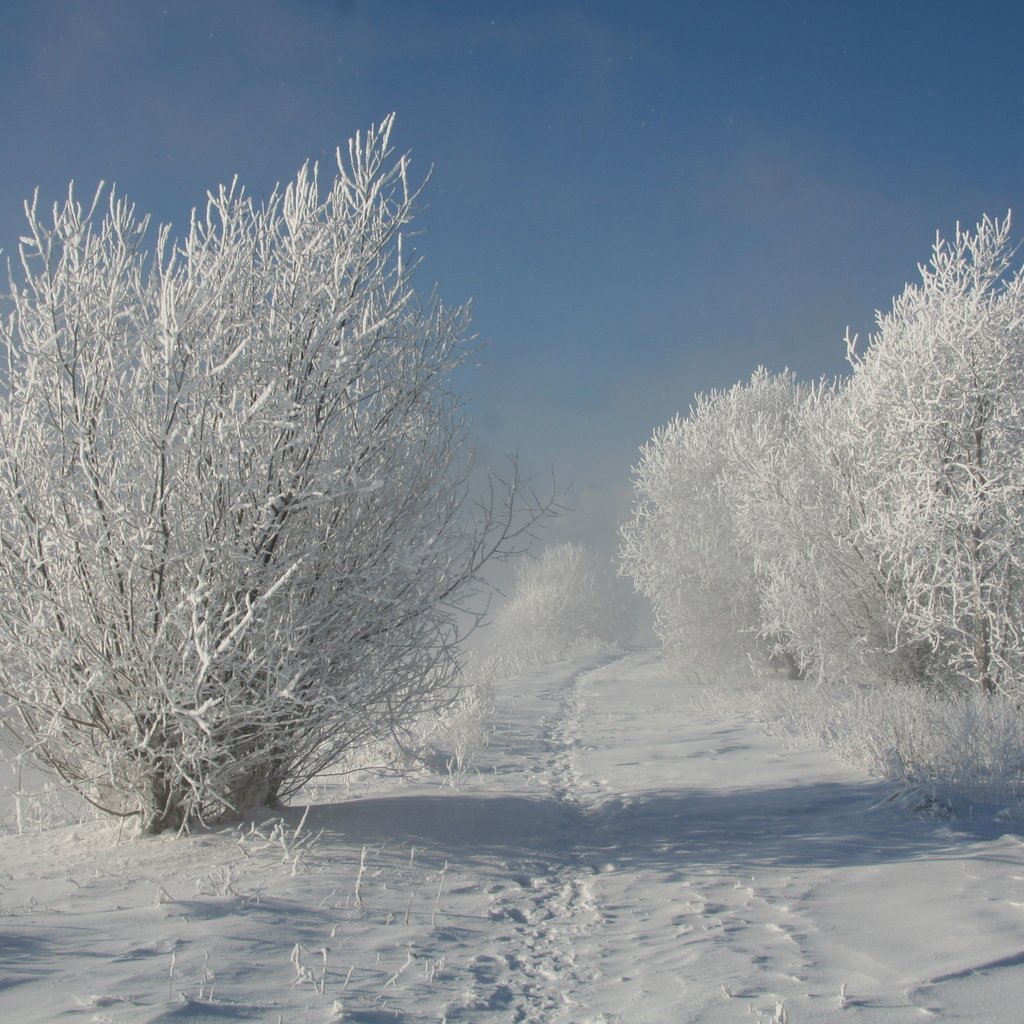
(233, 540)
(563, 602)
(937, 419)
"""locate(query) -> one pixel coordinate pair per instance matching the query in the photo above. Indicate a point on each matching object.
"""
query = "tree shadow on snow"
(825, 824)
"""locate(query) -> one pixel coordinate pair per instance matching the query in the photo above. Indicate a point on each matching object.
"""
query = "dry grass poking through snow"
(948, 751)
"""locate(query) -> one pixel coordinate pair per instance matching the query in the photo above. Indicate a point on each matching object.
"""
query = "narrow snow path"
(699, 871)
(622, 856)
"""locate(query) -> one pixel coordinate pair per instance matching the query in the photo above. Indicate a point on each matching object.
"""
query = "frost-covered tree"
(742, 535)
(822, 597)
(685, 547)
(937, 415)
(233, 539)
(566, 601)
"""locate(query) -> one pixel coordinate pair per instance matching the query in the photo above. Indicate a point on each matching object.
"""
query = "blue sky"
(643, 200)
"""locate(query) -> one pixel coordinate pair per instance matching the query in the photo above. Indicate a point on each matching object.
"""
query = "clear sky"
(643, 200)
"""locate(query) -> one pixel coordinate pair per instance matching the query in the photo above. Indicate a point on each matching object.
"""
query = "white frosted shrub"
(797, 515)
(566, 603)
(233, 542)
(870, 533)
(936, 414)
(873, 528)
(450, 740)
(686, 548)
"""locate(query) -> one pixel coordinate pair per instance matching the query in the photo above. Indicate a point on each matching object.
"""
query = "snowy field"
(623, 854)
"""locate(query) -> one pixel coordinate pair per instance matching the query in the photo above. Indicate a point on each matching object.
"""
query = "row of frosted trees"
(872, 527)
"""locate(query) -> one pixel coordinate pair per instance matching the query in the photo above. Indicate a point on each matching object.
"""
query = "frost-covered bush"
(936, 415)
(449, 740)
(820, 590)
(698, 544)
(870, 532)
(233, 541)
(566, 603)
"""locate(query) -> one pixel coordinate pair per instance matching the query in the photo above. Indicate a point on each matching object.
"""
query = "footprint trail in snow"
(623, 855)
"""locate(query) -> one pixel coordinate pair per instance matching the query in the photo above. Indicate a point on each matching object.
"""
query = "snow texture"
(625, 853)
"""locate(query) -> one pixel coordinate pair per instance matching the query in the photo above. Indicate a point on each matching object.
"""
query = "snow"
(625, 853)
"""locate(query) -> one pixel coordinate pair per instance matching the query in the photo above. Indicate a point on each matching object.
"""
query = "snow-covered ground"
(623, 855)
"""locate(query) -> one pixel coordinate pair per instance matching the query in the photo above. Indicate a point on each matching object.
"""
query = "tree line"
(870, 526)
